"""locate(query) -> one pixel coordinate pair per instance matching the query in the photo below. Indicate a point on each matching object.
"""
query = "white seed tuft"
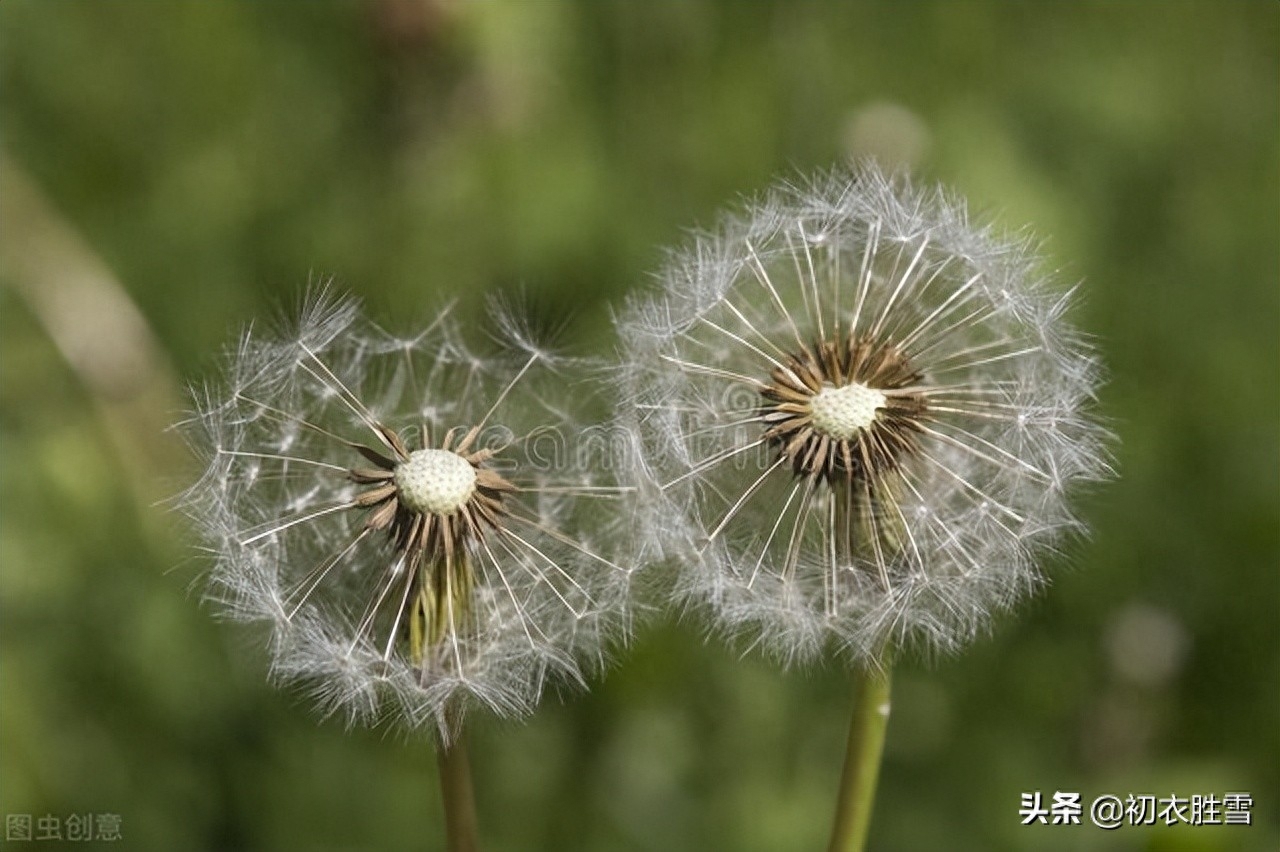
(334, 451)
(439, 482)
(856, 418)
(841, 412)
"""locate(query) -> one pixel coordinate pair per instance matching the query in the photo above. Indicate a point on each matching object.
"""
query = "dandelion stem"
(861, 761)
(460, 827)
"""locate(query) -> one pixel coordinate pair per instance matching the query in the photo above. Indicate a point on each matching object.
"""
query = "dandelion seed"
(857, 417)
(367, 496)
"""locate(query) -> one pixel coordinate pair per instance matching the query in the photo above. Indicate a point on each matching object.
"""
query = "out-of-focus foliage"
(212, 158)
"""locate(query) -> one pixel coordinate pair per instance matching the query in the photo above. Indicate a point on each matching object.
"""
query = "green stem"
(861, 761)
(460, 827)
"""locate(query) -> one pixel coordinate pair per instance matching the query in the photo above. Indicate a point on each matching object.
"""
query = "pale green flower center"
(436, 481)
(842, 411)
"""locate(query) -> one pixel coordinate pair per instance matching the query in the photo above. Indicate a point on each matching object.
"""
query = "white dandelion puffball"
(373, 499)
(855, 418)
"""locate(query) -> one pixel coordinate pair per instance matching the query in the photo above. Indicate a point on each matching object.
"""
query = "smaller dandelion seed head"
(435, 481)
(376, 501)
(842, 412)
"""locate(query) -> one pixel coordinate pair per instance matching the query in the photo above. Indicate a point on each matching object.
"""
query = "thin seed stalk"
(861, 761)
(460, 826)
(856, 521)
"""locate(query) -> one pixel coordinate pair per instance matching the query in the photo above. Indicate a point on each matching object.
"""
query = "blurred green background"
(172, 170)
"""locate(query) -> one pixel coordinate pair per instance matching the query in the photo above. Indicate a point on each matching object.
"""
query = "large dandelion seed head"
(373, 500)
(856, 418)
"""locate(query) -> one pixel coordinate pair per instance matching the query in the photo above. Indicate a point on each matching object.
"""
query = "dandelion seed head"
(374, 498)
(858, 416)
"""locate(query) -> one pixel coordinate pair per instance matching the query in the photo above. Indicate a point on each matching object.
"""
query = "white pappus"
(855, 417)
(372, 499)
